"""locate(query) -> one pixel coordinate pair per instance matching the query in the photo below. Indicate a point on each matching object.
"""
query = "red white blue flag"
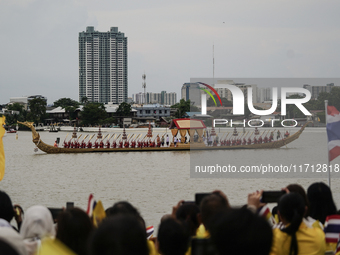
(333, 132)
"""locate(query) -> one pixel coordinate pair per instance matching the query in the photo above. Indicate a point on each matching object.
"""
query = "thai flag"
(149, 232)
(333, 132)
(332, 228)
(90, 205)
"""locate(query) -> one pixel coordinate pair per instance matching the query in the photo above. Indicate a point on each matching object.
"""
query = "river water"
(151, 181)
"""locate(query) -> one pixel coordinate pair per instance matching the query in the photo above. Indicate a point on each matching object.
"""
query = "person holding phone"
(295, 237)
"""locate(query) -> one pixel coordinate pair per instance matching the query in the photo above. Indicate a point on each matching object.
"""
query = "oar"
(66, 137)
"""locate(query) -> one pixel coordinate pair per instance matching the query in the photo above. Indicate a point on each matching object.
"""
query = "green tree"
(84, 100)
(16, 107)
(183, 107)
(65, 102)
(37, 108)
(93, 114)
(225, 101)
(124, 109)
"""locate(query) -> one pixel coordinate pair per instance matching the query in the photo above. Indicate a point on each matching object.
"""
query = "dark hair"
(173, 237)
(121, 234)
(291, 207)
(321, 201)
(74, 228)
(188, 213)
(296, 188)
(239, 231)
(212, 205)
(6, 207)
(124, 208)
(7, 249)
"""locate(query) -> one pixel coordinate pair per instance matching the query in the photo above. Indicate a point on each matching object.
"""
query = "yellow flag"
(54, 247)
(98, 213)
(2, 151)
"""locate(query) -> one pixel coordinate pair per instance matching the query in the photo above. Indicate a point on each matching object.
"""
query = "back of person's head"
(124, 208)
(6, 207)
(37, 223)
(74, 228)
(173, 237)
(119, 235)
(210, 206)
(291, 209)
(188, 213)
(296, 188)
(239, 231)
(321, 202)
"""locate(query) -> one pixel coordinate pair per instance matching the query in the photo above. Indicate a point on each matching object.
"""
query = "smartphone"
(272, 196)
(69, 205)
(199, 197)
(55, 212)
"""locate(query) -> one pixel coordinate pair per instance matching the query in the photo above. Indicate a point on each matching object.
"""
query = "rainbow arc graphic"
(208, 92)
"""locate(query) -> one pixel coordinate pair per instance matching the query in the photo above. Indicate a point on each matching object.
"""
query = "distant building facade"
(264, 95)
(191, 91)
(162, 98)
(156, 111)
(316, 90)
(103, 69)
(25, 100)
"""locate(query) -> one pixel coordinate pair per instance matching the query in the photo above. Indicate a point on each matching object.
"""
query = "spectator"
(119, 235)
(11, 243)
(37, 224)
(321, 201)
(74, 228)
(240, 231)
(173, 238)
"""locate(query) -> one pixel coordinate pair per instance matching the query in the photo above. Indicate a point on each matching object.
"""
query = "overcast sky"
(171, 41)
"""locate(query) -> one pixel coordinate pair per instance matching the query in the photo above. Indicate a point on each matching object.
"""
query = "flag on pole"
(333, 132)
(2, 151)
(98, 213)
(90, 205)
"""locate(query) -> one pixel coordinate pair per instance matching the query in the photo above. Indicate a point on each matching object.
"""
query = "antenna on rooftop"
(144, 86)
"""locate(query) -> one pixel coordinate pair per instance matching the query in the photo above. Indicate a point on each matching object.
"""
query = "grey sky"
(170, 40)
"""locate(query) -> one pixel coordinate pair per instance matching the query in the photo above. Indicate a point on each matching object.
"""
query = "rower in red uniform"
(114, 144)
(126, 144)
(260, 139)
(65, 145)
(244, 141)
(83, 144)
(255, 140)
(120, 144)
(265, 140)
(96, 144)
(286, 134)
(89, 144)
(133, 144)
(107, 145)
(101, 144)
(249, 140)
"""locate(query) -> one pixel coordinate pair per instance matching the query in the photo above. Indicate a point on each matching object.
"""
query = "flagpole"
(329, 172)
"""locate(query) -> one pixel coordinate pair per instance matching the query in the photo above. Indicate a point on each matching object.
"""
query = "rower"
(89, 144)
(286, 134)
(249, 140)
(278, 135)
(114, 144)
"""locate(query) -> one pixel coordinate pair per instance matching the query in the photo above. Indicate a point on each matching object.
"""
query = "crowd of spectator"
(300, 223)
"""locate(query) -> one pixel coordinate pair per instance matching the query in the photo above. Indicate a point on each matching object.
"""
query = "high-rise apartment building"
(103, 66)
(162, 98)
